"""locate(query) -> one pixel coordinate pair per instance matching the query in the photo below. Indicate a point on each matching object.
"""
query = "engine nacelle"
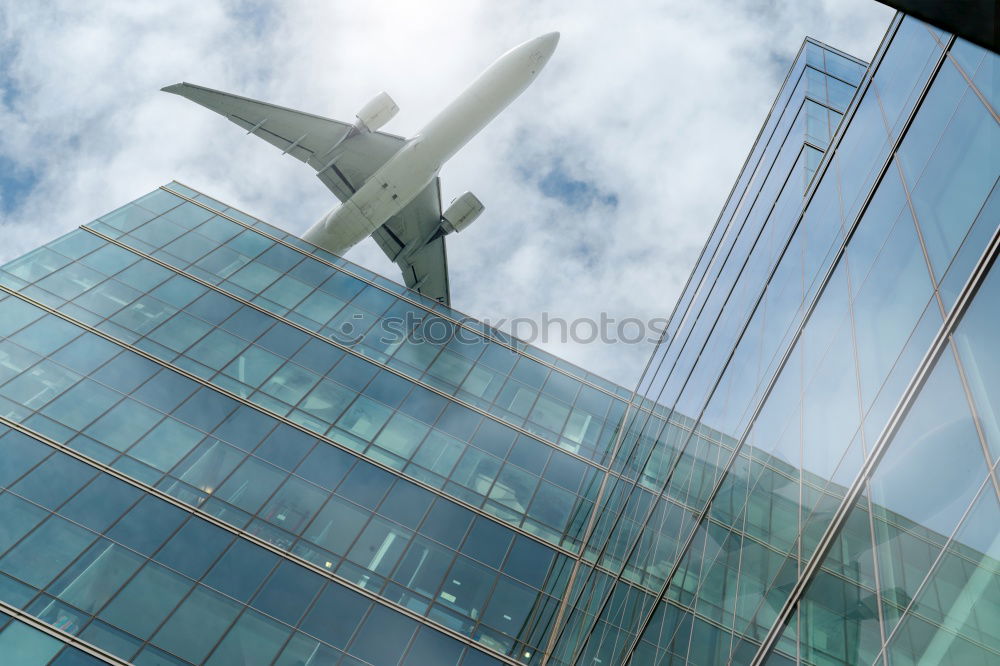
(462, 212)
(377, 112)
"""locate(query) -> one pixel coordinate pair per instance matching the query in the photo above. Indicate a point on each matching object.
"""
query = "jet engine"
(462, 212)
(377, 112)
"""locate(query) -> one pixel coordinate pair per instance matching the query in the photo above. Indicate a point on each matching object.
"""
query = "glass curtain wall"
(649, 513)
(836, 500)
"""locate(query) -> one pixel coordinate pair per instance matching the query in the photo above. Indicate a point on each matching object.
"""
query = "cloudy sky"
(601, 182)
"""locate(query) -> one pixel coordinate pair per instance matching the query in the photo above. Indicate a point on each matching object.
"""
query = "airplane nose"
(547, 42)
(541, 49)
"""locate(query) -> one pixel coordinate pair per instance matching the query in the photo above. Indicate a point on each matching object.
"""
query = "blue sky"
(600, 183)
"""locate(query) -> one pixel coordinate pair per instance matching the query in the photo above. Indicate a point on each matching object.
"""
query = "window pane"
(337, 525)
(466, 587)
(889, 304)
(240, 571)
(552, 506)
(194, 548)
(73, 657)
(95, 577)
(40, 385)
(81, 404)
(934, 463)
(20, 453)
(250, 485)
(26, 646)
(111, 639)
(957, 179)
(209, 464)
(401, 435)
(529, 561)
(327, 401)
(148, 524)
(379, 546)
(254, 639)
(406, 504)
(148, 598)
(101, 502)
(423, 567)
(326, 466)
(124, 424)
(285, 447)
(46, 551)
(253, 366)
(439, 453)
(86, 353)
(166, 444)
(366, 485)
(165, 390)
(447, 523)
(364, 418)
(197, 624)
(976, 341)
(206, 409)
(510, 606)
(288, 592)
(34, 265)
(305, 651)
(335, 615)
(180, 332)
(217, 349)
(179, 291)
(294, 505)
(383, 637)
(952, 619)
(19, 516)
(432, 647)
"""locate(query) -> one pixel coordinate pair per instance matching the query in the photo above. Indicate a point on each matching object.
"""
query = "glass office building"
(833, 496)
(222, 445)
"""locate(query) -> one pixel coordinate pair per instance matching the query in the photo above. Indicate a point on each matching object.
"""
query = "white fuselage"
(410, 170)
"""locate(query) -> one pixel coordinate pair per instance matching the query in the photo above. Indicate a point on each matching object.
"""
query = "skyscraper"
(223, 445)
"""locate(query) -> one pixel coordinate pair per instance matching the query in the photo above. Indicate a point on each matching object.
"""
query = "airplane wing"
(344, 159)
(305, 136)
(414, 241)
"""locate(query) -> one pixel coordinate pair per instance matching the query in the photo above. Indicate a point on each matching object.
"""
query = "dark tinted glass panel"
(101, 503)
(147, 525)
(194, 547)
(193, 629)
(431, 647)
(335, 615)
(241, 569)
(41, 555)
(146, 600)
(288, 592)
(383, 636)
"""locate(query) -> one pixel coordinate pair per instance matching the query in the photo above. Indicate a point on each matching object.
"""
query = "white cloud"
(653, 103)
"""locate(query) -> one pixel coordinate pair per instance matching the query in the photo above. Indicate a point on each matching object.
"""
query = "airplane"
(388, 185)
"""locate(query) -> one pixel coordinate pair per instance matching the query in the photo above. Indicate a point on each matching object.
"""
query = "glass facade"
(221, 445)
(404, 493)
(834, 497)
